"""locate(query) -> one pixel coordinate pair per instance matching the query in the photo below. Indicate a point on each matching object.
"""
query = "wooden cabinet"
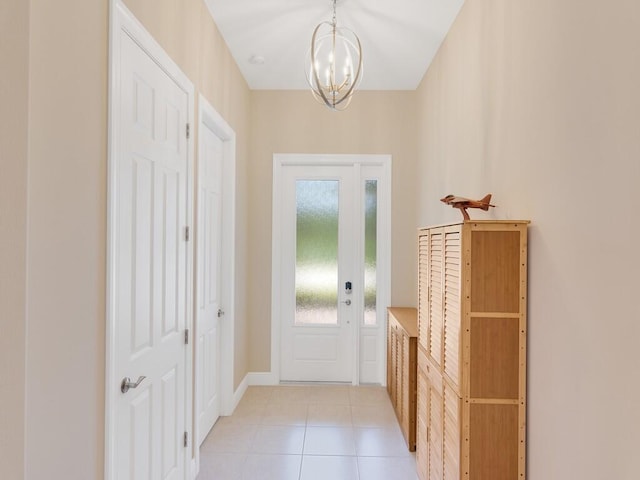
(402, 341)
(472, 326)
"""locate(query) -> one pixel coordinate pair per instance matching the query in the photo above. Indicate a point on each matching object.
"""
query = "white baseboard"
(262, 378)
(237, 395)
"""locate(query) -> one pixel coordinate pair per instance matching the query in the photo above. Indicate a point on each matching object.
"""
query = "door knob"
(127, 383)
(347, 302)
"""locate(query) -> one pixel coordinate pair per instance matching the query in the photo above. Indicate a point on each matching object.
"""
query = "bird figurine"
(463, 203)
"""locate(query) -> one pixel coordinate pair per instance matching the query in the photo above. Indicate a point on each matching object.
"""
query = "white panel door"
(208, 274)
(331, 228)
(318, 260)
(150, 269)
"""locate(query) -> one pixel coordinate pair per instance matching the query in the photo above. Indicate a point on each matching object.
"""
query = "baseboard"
(237, 395)
(262, 378)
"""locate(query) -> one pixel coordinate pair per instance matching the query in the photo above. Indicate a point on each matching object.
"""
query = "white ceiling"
(399, 37)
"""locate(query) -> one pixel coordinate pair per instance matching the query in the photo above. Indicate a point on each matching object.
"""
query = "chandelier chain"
(335, 21)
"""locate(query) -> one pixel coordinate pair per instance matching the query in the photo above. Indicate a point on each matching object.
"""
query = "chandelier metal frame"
(336, 96)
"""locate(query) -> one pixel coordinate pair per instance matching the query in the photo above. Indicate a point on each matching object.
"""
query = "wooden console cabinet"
(472, 351)
(402, 341)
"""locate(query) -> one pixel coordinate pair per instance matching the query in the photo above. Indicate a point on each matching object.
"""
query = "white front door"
(318, 264)
(208, 265)
(150, 277)
(331, 267)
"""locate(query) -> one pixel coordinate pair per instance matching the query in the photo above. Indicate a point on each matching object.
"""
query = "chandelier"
(334, 64)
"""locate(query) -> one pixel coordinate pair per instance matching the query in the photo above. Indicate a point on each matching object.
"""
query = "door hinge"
(186, 439)
(188, 131)
(186, 337)
(187, 234)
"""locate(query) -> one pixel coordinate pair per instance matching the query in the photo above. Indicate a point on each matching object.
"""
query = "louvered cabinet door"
(423, 289)
(452, 319)
(393, 366)
(404, 382)
(411, 371)
(452, 433)
(390, 357)
(436, 430)
(422, 440)
(408, 367)
(436, 291)
(403, 332)
(398, 362)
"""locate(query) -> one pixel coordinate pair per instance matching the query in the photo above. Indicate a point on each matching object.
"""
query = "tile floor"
(313, 432)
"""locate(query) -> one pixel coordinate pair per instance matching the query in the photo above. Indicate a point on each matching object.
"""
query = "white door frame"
(384, 253)
(209, 118)
(122, 20)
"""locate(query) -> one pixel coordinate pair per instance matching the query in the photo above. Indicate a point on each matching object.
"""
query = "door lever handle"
(126, 383)
(347, 302)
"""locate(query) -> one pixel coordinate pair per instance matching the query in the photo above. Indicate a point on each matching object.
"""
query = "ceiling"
(399, 37)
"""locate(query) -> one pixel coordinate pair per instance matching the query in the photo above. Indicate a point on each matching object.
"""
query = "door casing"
(359, 162)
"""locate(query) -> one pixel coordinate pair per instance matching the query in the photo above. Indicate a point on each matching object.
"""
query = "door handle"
(347, 302)
(126, 383)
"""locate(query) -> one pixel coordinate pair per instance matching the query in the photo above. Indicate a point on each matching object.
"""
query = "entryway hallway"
(310, 432)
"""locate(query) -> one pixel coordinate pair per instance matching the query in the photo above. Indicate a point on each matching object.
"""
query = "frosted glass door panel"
(370, 251)
(316, 275)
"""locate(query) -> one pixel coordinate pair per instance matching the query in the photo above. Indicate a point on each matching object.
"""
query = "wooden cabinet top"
(407, 317)
(478, 223)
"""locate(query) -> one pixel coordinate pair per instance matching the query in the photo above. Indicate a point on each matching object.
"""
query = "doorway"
(331, 248)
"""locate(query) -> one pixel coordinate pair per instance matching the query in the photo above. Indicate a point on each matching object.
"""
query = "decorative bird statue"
(464, 203)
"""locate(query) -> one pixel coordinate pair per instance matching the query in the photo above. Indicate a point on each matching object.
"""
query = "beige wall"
(537, 102)
(14, 81)
(66, 228)
(292, 122)
(534, 101)
(66, 224)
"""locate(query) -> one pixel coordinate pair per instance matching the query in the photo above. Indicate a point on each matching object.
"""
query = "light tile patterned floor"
(314, 432)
